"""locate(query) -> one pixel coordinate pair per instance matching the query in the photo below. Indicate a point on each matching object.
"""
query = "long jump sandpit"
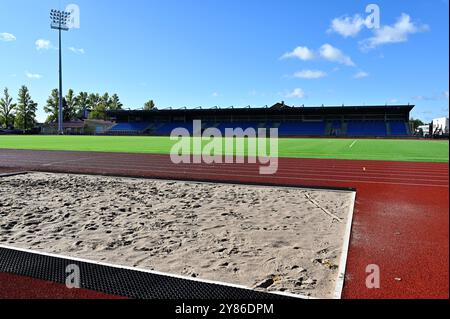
(271, 239)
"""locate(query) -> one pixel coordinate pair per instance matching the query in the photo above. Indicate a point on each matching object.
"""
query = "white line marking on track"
(345, 250)
(354, 142)
(66, 161)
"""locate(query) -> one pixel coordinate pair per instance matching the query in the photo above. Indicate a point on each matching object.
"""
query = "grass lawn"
(358, 149)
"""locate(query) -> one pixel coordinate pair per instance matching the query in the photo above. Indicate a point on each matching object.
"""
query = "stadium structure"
(325, 121)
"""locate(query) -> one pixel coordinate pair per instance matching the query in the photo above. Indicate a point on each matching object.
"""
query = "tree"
(82, 104)
(93, 100)
(115, 103)
(105, 100)
(416, 123)
(6, 110)
(52, 106)
(69, 104)
(150, 105)
(26, 110)
(100, 106)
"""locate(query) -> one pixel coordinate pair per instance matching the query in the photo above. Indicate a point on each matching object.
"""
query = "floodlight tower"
(59, 21)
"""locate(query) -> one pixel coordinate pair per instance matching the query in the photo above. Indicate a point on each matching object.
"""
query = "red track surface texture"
(401, 220)
(18, 287)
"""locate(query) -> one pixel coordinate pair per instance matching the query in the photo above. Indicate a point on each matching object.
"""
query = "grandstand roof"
(276, 108)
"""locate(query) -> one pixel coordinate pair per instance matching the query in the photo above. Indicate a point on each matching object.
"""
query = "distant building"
(78, 127)
(440, 126)
(423, 130)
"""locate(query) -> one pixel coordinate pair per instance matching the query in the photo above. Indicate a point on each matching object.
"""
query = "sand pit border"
(345, 249)
(11, 174)
(199, 181)
(82, 260)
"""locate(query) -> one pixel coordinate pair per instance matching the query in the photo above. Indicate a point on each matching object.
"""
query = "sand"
(266, 238)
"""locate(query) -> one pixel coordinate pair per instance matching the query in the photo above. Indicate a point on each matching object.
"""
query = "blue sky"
(234, 52)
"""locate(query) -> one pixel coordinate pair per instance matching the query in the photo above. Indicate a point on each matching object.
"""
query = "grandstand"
(342, 121)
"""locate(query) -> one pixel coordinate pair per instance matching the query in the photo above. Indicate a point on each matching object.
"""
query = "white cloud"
(361, 75)
(216, 94)
(393, 101)
(296, 93)
(347, 26)
(310, 74)
(77, 51)
(302, 53)
(42, 44)
(330, 53)
(435, 97)
(7, 37)
(33, 76)
(396, 33)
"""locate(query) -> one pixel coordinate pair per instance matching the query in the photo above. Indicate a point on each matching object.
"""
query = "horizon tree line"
(22, 115)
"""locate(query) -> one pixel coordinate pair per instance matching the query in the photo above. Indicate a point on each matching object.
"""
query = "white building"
(440, 126)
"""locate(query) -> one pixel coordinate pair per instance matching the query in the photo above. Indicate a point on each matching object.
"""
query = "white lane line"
(354, 142)
(66, 161)
(345, 250)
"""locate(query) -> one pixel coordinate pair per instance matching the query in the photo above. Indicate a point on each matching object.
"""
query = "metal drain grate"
(120, 281)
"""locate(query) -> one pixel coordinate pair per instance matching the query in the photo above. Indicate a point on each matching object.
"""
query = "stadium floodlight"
(60, 21)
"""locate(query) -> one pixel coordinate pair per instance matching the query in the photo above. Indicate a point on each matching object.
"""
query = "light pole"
(59, 21)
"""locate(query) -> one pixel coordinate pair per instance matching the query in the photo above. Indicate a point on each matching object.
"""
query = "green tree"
(52, 106)
(102, 105)
(82, 104)
(69, 103)
(93, 100)
(99, 105)
(26, 110)
(115, 103)
(105, 100)
(416, 123)
(7, 108)
(150, 105)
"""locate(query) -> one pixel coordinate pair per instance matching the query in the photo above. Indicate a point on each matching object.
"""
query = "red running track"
(401, 220)
(19, 287)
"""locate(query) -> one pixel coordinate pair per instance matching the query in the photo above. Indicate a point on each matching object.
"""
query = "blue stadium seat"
(398, 128)
(233, 125)
(302, 129)
(134, 128)
(167, 128)
(337, 125)
(366, 128)
(375, 128)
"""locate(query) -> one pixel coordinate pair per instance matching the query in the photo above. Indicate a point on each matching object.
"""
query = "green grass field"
(358, 149)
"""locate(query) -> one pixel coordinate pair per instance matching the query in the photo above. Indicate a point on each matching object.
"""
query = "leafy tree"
(416, 123)
(69, 104)
(100, 106)
(82, 104)
(105, 100)
(115, 103)
(150, 105)
(52, 106)
(26, 110)
(93, 100)
(6, 110)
